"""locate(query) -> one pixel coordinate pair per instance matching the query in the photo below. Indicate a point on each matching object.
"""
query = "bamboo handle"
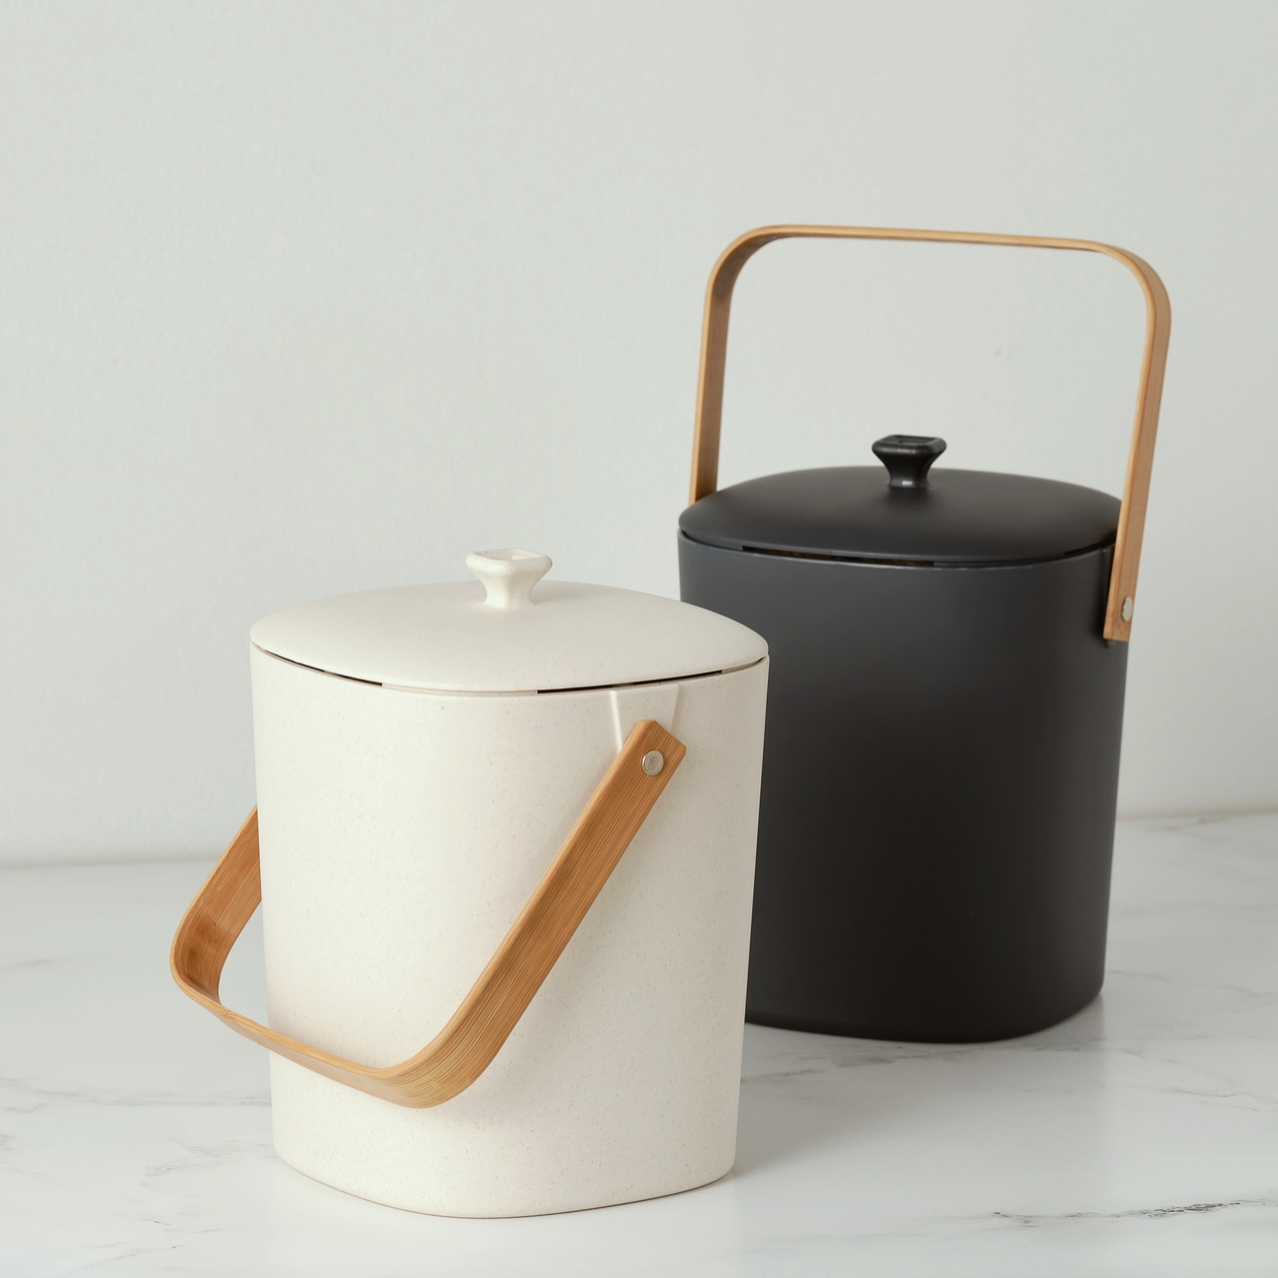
(1140, 458)
(466, 1046)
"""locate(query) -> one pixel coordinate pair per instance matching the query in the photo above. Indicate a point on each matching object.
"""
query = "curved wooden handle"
(1140, 458)
(466, 1046)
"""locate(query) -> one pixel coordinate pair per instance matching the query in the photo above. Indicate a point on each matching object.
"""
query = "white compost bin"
(423, 755)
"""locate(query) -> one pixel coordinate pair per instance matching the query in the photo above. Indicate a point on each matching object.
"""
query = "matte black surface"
(850, 512)
(939, 786)
(908, 458)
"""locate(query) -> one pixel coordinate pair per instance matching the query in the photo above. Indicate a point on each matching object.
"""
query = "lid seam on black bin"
(890, 562)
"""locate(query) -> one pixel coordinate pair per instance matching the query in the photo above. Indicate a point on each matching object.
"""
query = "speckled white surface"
(401, 834)
(1139, 1138)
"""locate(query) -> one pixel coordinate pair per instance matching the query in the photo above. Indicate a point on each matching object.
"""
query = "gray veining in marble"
(1140, 1137)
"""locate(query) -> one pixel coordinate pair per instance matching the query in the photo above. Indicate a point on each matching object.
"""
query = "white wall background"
(297, 299)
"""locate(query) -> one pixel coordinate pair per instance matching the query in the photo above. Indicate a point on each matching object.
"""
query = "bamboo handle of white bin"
(1140, 459)
(466, 1046)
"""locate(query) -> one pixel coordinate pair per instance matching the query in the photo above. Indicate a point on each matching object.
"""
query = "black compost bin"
(945, 707)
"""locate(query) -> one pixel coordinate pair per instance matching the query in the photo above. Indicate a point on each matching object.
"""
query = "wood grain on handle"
(466, 1046)
(1140, 459)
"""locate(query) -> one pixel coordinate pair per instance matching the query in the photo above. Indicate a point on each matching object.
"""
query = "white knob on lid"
(508, 575)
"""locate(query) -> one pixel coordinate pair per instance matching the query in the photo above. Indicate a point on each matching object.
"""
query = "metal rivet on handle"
(653, 762)
(1128, 605)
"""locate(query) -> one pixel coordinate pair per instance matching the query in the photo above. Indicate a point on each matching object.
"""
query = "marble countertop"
(1138, 1138)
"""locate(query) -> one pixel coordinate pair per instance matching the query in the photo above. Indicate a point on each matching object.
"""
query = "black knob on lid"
(908, 458)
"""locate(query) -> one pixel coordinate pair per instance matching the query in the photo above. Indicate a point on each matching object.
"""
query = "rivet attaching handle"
(509, 575)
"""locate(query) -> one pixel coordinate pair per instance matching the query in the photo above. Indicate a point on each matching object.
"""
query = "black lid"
(906, 513)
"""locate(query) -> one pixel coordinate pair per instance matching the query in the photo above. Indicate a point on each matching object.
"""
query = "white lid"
(498, 635)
